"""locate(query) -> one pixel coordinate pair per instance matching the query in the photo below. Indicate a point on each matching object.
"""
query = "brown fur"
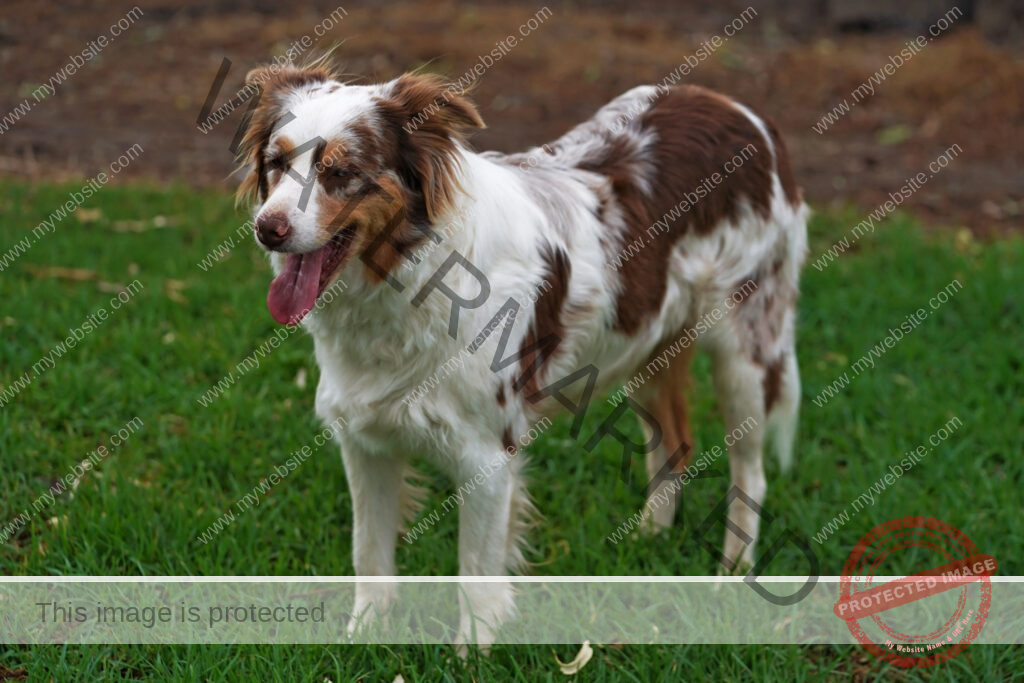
(698, 131)
(507, 442)
(772, 384)
(785, 170)
(273, 86)
(415, 168)
(423, 155)
(547, 318)
(668, 404)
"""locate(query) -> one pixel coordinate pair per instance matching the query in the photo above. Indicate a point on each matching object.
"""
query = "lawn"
(183, 329)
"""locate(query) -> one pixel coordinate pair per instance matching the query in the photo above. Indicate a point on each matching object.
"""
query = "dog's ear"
(272, 84)
(430, 119)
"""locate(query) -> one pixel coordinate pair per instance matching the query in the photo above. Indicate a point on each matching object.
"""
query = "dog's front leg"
(375, 483)
(484, 517)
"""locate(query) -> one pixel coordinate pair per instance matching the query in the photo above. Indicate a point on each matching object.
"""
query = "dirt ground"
(148, 85)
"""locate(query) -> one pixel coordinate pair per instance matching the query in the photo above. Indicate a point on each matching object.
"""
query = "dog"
(625, 232)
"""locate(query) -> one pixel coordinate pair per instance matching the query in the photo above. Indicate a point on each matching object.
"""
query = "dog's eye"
(341, 173)
(278, 163)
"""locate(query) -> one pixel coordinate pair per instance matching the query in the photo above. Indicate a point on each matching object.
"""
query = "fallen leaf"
(60, 273)
(88, 215)
(300, 378)
(157, 223)
(129, 226)
(783, 623)
(169, 338)
(110, 287)
(580, 661)
(176, 423)
(173, 289)
(12, 674)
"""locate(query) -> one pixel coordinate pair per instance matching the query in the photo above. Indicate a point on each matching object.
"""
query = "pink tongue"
(293, 292)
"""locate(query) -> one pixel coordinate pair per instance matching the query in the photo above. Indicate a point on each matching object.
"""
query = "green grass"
(155, 356)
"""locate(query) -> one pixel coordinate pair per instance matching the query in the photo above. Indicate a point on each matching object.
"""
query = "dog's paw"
(742, 568)
(464, 641)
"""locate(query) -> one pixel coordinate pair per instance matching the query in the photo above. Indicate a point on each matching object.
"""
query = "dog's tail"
(783, 419)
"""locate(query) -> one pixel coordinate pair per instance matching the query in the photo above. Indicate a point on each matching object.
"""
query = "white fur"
(374, 347)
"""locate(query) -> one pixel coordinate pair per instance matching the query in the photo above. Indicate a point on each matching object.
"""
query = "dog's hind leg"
(664, 397)
(739, 382)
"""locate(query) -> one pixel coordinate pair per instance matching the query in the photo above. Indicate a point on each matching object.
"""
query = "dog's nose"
(273, 229)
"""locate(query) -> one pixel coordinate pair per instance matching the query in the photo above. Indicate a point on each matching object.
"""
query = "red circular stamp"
(941, 636)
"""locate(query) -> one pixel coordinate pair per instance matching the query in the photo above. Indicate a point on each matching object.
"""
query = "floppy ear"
(271, 83)
(431, 118)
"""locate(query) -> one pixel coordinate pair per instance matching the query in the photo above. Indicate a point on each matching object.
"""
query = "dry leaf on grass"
(88, 215)
(157, 223)
(60, 273)
(110, 287)
(300, 378)
(173, 289)
(578, 662)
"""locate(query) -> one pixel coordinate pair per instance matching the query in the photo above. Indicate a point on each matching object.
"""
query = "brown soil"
(148, 85)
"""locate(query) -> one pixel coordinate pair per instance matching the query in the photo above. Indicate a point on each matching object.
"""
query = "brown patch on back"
(501, 395)
(547, 319)
(697, 132)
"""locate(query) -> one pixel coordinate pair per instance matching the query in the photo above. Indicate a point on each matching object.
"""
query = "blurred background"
(795, 60)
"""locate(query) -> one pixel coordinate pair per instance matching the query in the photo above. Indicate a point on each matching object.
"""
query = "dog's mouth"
(304, 278)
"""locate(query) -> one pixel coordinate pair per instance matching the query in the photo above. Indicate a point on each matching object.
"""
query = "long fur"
(557, 229)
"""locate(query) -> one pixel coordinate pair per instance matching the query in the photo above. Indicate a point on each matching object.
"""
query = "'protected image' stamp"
(942, 629)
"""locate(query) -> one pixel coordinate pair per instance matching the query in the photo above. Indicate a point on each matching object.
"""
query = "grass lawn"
(143, 508)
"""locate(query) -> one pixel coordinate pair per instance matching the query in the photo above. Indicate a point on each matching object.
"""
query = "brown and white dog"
(626, 231)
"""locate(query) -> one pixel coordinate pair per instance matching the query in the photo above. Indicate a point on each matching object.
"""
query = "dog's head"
(330, 166)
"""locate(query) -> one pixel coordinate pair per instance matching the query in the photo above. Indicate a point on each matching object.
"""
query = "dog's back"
(702, 231)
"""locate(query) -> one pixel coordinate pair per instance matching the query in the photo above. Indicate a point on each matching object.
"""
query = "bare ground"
(148, 85)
